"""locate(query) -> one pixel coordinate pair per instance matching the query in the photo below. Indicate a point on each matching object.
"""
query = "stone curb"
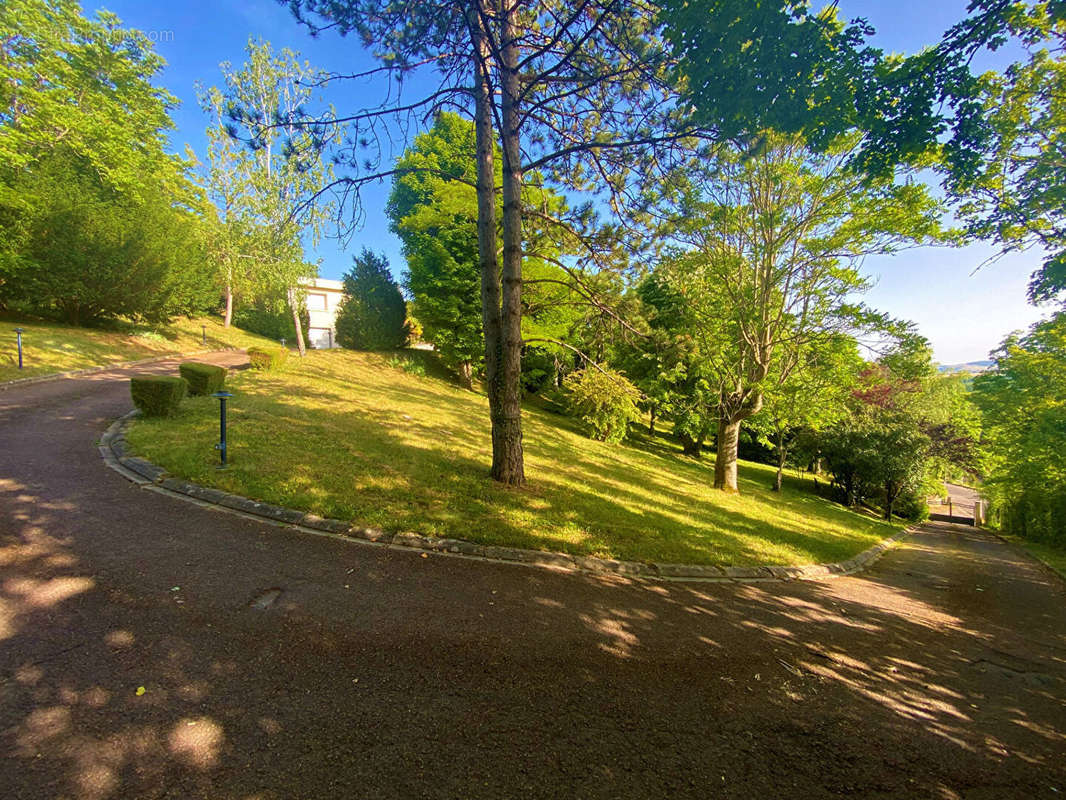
(113, 450)
(56, 376)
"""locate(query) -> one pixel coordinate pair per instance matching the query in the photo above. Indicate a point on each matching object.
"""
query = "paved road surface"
(377, 673)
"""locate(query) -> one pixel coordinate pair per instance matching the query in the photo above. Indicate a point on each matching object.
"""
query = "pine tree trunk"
(725, 460)
(507, 456)
(491, 304)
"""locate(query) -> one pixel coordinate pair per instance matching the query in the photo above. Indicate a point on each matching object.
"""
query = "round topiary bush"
(157, 395)
(203, 378)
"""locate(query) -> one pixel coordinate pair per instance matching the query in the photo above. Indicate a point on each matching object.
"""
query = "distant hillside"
(972, 367)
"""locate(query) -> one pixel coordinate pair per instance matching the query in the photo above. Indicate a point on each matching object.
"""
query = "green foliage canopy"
(1023, 401)
(604, 400)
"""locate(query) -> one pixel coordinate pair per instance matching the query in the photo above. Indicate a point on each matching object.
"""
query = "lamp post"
(18, 337)
(203, 334)
(282, 342)
(221, 446)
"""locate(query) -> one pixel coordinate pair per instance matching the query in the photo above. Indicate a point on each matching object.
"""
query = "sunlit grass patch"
(49, 347)
(347, 435)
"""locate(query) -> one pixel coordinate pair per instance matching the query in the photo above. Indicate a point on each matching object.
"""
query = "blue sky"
(964, 313)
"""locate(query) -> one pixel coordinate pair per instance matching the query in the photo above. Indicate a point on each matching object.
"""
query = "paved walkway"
(378, 673)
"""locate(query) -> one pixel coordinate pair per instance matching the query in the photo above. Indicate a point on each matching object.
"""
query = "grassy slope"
(345, 435)
(50, 347)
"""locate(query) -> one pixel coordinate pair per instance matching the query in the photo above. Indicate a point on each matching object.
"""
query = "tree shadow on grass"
(376, 464)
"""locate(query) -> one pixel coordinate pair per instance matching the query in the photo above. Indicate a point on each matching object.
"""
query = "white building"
(323, 297)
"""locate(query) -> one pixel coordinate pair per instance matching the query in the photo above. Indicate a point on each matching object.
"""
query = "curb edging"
(146, 475)
(74, 373)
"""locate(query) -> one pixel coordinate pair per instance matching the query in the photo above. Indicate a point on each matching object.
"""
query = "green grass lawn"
(49, 347)
(348, 436)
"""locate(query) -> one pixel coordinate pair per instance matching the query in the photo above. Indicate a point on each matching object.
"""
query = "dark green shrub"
(912, 506)
(538, 369)
(157, 395)
(267, 357)
(203, 378)
(272, 319)
(373, 313)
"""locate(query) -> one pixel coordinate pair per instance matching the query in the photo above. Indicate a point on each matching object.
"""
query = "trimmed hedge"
(203, 378)
(266, 357)
(157, 395)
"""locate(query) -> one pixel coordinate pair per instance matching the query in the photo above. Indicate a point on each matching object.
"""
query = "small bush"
(267, 357)
(203, 378)
(408, 365)
(157, 395)
(912, 506)
(605, 401)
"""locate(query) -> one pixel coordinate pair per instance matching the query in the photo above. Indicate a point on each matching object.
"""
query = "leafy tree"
(604, 400)
(813, 396)
(237, 238)
(669, 366)
(433, 209)
(583, 96)
(83, 162)
(996, 139)
(84, 84)
(904, 423)
(278, 189)
(1018, 195)
(373, 313)
(1023, 404)
(768, 262)
(88, 251)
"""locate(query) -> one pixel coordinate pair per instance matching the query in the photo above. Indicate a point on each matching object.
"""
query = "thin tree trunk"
(890, 499)
(725, 460)
(228, 316)
(296, 321)
(466, 375)
(507, 456)
(780, 460)
(651, 421)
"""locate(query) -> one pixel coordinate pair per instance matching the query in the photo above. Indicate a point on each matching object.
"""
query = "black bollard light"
(18, 337)
(203, 334)
(221, 446)
(282, 342)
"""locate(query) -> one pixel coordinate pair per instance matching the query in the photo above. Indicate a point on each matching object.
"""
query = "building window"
(316, 302)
